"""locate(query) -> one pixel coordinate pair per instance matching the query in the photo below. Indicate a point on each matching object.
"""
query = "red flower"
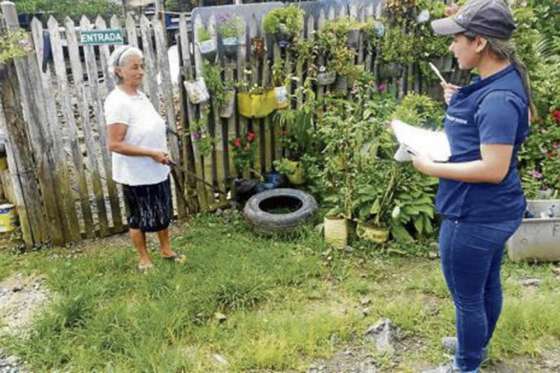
(556, 115)
(251, 136)
(237, 142)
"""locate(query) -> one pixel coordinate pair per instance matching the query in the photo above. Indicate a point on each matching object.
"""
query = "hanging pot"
(259, 105)
(390, 70)
(353, 39)
(281, 95)
(197, 91)
(336, 232)
(283, 36)
(226, 111)
(230, 46)
(258, 46)
(370, 232)
(326, 78)
(208, 50)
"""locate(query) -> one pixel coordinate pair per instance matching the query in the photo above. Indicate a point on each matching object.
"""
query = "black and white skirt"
(149, 207)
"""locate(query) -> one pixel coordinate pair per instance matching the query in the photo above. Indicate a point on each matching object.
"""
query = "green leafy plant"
(203, 34)
(13, 44)
(230, 26)
(217, 86)
(244, 150)
(288, 19)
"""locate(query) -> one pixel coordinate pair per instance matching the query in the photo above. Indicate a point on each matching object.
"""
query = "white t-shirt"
(146, 128)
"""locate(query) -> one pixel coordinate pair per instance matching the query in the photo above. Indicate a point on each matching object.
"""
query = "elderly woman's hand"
(160, 157)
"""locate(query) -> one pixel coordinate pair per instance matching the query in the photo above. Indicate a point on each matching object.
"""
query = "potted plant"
(230, 29)
(284, 23)
(257, 102)
(374, 200)
(325, 76)
(243, 151)
(292, 169)
(197, 90)
(220, 89)
(206, 44)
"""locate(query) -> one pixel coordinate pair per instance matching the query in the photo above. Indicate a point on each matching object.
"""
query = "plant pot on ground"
(293, 170)
(336, 230)
(371, 232)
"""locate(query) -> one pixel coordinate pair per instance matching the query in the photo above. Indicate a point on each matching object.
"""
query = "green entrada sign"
(101, 37)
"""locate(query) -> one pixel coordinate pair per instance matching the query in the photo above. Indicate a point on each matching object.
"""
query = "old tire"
(257, 209)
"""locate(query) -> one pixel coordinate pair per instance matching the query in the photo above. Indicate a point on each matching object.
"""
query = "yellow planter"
(298, 176)
(3, 164)
(261, 105)
(8, 217)
(336, 232)
(372, 233)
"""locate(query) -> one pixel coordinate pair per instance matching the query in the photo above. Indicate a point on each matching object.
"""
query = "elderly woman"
(136, 136)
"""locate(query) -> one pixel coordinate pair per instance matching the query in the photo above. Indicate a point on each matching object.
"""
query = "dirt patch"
(21, 297)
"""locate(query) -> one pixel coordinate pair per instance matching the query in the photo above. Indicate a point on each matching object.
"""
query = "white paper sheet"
(433, 144)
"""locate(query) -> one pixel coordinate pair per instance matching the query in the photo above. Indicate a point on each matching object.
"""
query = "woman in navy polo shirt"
(480, 196)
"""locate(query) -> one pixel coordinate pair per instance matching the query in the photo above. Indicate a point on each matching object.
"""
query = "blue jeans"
(471, 257)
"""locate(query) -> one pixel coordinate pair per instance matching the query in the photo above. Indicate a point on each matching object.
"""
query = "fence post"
(35, 116)
(19, 152)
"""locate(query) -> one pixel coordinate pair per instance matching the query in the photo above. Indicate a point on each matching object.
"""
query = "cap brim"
(446, 26)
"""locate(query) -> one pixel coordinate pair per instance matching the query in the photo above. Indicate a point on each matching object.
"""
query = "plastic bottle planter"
(197, 91)
(372, 233)
(298, 176)
(281, 95)
(230, 46)
(353, 39)
(258, 47)
(336, 232)
(283, 36)
(208, 50)
(226, 110)
(390, 70)
(325, 77)
(260, 105)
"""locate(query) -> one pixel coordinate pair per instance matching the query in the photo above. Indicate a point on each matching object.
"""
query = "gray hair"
(505, 50)
(119, 56)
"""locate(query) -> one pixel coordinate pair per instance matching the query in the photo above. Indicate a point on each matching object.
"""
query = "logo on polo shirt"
(456, 120)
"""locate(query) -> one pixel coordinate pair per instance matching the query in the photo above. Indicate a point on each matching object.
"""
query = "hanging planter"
(336, 232)
(208, 50)
(370, 232)
(258, 47)
(353, 38)
(390, 70)
(281, 95)
(284, 23)
(325, 77)
(227, 108)
(197, 91)
(257, 105)
(230, 46)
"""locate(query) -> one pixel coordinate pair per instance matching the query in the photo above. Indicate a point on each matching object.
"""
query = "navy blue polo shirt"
(493, 110)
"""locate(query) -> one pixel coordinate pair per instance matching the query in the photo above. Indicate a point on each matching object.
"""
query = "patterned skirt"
(149, 207)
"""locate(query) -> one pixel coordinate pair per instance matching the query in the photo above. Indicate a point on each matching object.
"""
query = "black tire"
(269, 223)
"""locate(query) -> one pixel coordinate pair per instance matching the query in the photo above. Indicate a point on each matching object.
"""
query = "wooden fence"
(58, 159)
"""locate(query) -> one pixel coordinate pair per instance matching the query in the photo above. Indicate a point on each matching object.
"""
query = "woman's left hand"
(423, 163)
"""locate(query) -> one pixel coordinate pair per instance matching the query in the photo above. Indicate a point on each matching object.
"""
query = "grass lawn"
(287, 303)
